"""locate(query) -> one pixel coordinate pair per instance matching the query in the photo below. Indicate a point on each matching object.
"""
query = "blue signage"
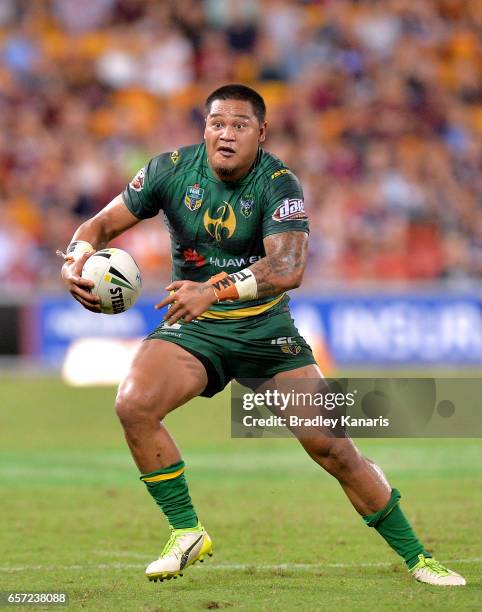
(402, 330)
(355, 330)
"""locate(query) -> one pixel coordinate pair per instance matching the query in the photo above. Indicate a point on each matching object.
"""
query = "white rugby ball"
(117, 279)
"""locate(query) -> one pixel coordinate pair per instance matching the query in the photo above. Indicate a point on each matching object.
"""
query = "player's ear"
(262, 131)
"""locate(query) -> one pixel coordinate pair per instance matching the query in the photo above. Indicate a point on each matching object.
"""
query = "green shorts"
(249, 348)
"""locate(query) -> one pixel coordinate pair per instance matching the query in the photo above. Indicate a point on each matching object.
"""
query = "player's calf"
(371, 495)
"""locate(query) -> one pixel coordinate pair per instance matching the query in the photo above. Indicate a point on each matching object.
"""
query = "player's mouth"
(226, 151)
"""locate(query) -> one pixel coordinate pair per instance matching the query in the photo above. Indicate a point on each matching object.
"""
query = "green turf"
(76, 518)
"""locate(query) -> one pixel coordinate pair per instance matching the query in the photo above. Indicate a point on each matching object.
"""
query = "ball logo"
(117, 300)
(116, 278)
(290, 210)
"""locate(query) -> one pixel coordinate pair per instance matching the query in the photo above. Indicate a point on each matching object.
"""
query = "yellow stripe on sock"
(160, 477)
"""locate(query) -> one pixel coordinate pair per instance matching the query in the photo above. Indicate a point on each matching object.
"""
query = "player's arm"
(92, 235)
(284, 264)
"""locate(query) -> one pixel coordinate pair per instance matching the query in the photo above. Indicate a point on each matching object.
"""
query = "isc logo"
(282, 340)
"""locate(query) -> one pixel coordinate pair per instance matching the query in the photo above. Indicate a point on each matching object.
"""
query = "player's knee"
(134, 405)
(335, 455)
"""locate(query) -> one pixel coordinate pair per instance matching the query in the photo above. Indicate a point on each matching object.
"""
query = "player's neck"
(237, 175)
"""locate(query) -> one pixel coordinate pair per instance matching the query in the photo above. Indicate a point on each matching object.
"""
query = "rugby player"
(239, 236)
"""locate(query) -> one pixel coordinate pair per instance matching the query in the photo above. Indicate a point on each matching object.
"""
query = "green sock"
(393, 526)
(169, 489)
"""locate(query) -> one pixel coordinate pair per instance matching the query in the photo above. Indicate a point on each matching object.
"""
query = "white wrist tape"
(77, 248)
(246, 284)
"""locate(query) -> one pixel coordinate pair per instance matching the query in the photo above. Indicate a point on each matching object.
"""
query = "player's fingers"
(79, 264)
(173, 310)
(85, 295)
(170, 299)
(175, 285)
(86, 304)
(71, 275)
(175, 317)
(84, 282)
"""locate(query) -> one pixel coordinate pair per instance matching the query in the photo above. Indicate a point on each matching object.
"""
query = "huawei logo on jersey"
(223, 225)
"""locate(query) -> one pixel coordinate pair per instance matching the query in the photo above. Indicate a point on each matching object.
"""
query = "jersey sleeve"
(284, 209)
(144, 196)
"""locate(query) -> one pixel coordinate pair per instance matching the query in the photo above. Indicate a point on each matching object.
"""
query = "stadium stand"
(377, 106)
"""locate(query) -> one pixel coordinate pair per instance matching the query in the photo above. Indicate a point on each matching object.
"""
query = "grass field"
(76, 518)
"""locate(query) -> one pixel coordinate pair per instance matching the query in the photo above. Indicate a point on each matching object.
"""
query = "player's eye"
(240, 126)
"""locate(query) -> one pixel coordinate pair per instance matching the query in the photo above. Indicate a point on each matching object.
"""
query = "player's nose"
(228, 134)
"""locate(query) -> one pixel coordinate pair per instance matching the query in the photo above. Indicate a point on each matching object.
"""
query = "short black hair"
(235, 91)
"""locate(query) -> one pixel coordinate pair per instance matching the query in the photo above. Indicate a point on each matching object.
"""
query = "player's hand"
(79, 287)
(188, 302)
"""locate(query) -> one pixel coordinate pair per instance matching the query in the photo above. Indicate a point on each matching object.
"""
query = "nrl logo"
(194, 197)
(247, 204)
(223, 225)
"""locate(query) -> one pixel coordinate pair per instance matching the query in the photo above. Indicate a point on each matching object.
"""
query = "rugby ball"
(116, 278)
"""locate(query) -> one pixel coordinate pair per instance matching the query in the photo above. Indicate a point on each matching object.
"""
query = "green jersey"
(218, 226)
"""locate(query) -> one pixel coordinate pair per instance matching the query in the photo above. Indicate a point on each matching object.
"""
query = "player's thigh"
(162, 377)
(303, 385)
(307, 373)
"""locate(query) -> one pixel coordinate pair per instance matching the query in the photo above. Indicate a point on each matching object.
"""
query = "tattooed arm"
(283, 266)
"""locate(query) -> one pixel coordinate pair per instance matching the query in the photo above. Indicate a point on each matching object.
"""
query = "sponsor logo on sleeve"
(280, 173)
(290, 210)
(137, 183)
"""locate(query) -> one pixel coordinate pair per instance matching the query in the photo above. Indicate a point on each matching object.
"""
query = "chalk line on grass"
(213, 566)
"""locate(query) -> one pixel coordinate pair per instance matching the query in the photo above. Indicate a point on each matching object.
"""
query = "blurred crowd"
(376, 105)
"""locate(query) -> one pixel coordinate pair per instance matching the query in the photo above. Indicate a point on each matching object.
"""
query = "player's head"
(235, 125)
